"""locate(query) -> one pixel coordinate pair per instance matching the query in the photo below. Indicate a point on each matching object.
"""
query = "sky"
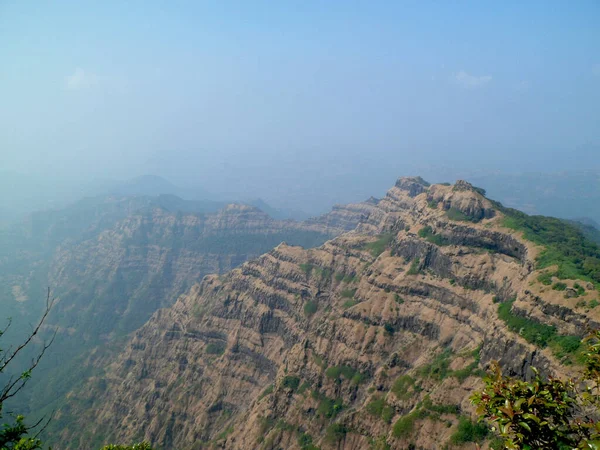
(297, 102)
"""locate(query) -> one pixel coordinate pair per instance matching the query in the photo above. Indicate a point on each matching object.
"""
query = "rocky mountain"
(376, 339)
(113, 261)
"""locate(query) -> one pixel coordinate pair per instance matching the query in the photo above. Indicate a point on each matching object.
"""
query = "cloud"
(596, 70)
(469, 81)
(80, 79)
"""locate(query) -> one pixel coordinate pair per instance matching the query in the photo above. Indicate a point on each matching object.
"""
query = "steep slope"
(374, 340)
(118, 261)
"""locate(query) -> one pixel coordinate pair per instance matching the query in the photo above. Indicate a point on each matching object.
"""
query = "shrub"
(402, 385)
(348, 293)
(290, 382)
(306, 268)
(378, 247)
(429, 235)
(459, 216)
(217, 348)
(310, 307)
(379, 408)
(414, 267)
(469, 431)
(559, 286)
(406, 424)
(336, 432)
(398, 299)
(545, 278)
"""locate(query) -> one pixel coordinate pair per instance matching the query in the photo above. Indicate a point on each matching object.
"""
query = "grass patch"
(348, 293)
(336, 432)
(469, 431)
(429, 235)
(328, 408)
(347, 372)
(306, 268)
(403, 387)
(310, 307)
(405, 425)
(349, 304)
(438, 369)
(267, 391)
(378, 247)
(576, 256)
(217, 348)
(414, 267)
(459, 216)
(378, 407)
(538, 333)
(545, 278)
(559, 286)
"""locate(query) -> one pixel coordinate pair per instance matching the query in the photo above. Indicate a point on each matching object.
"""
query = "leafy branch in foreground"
(545, 413)
(15, 435)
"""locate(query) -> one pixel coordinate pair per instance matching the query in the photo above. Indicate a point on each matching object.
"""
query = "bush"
(459, 216)
(348, 293)
(378, 247)
(216, 348)
(290, 382)
(429, 235)
(402, 385)
(559, 286)
(310, 307)
(469, 431)
(406, 424)
(336, 432)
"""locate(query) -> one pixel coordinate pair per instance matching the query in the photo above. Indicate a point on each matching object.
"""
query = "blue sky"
(285, 99)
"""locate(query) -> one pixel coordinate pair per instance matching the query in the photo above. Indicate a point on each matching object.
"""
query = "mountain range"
(372, 333)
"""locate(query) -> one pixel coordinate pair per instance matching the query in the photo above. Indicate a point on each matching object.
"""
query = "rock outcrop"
(376, 339)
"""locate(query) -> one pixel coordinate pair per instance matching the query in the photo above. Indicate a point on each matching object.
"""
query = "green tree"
(545, 413)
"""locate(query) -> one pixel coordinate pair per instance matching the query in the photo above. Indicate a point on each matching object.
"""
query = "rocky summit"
(374, 340)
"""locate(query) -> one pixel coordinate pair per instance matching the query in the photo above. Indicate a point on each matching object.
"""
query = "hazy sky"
(282, 99)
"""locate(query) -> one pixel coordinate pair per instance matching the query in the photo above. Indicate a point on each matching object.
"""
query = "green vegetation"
(327, 408)
(305, 441)
(402, 387)
(469, 431)
(414, 267)
(290, 382)
(378, 247)
(267, 391)
(306, 268)
(593, 303)
(349, 304)
(349, 373)
(545, 278)
(544, 413)
(538, 333)
(348, 293)
(438, 369)
(378, 407)
(398, 299)
(559, 286)
(433, 204)
(310, 307)
(576, 256)
(336, 432)
(140, 446)
(406, 424)
(216, 348)
(459, 216)
(429, 235)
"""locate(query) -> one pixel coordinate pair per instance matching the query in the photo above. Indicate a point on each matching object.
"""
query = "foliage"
(469, 431)
(576, 256)
(414, 267)
(348, 293)
(459, 216)
(538, 333)
(559, 286)
(349, 373)
(378, 247)
(310, 307)
(336, 432)
(402, 387)
(429, 235)
(328, 408)
(378, 407)
(215, 348)
(290, 382)
(545, 413)
(406, 424)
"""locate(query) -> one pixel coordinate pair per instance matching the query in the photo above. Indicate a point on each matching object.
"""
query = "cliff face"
(374, 340)
(113, 262)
